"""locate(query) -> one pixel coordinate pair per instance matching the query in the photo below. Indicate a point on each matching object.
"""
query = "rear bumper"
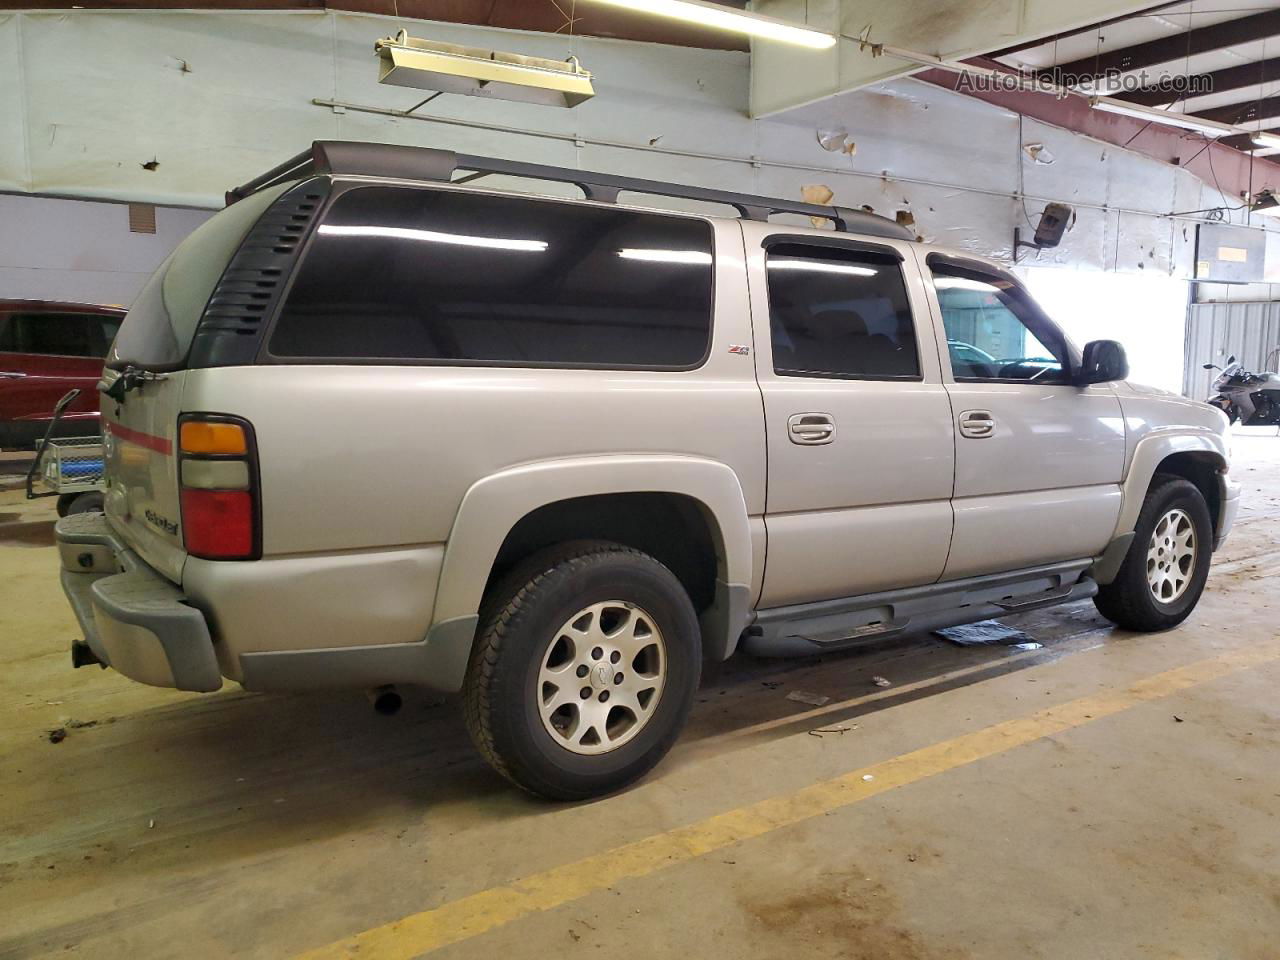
(134, 620)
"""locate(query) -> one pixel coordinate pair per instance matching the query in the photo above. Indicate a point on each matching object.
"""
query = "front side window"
(399, 274)
(839, 312)
(994, 330)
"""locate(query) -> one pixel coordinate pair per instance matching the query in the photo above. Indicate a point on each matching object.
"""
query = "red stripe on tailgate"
(158, 444)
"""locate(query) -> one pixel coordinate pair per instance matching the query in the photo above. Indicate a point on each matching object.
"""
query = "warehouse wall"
(171, 107)
(81, 250)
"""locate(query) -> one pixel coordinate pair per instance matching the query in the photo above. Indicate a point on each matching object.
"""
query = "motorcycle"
(1252, 399)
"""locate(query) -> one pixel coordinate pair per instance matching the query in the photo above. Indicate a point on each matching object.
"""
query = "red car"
(47, 348)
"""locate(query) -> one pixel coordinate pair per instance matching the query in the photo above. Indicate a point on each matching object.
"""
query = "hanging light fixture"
(406, 61)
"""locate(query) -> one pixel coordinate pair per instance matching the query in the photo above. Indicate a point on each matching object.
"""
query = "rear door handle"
(977, 424)
(811, 429)
(12, 375)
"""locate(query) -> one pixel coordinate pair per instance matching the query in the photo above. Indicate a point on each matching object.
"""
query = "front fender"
(1150, 452)
(495, 504)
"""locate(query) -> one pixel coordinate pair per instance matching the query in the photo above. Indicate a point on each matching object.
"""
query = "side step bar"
(811, 628)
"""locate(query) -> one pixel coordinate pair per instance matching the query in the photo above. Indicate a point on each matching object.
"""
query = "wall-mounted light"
(1266, 204)
(406, 61)
(724, 18)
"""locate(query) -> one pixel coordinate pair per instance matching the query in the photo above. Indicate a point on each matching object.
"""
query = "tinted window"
(994, 330)
(407, 274)
(162, 319)
(839, 313)
(58, 334)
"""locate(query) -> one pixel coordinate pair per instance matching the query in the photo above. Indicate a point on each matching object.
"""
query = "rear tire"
(1164, 572)
(573, 628)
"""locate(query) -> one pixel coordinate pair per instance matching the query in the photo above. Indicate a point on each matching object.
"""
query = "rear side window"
(840, 313)
(58, 334)
(402, 275)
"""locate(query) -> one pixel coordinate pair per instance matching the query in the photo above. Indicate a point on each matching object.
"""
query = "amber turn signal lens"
(198, 437)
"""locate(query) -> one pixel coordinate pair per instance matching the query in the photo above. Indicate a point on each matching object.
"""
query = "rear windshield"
(404, 275)
(157, 332)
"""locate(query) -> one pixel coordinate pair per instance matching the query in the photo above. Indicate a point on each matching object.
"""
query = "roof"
(343, 157)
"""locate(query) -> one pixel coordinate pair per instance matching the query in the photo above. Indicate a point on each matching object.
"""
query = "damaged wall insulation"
(172, 107)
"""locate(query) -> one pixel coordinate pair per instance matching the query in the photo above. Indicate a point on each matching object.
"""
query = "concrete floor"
(1135, 818)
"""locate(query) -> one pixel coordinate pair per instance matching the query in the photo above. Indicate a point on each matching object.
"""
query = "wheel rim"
(1171, 556)
(601, 677)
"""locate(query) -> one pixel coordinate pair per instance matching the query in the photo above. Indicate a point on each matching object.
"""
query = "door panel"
(838, 553)
(865, 504)
(1039, 461)
(1042, 437)
(1013, 530)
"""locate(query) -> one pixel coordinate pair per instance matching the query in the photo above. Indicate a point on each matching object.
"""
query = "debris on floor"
(822, 731)
(881, 682)
(57, 735)
(813, 699)
(987, 632)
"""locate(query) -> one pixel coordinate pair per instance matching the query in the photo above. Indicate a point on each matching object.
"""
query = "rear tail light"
(218, 472)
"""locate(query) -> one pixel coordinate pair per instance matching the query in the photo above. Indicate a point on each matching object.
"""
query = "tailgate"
(142, 501)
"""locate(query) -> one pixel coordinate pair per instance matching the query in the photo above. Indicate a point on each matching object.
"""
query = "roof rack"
(426, 163)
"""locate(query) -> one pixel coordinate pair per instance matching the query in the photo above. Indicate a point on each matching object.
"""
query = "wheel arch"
(508, 515)
(1200, 458)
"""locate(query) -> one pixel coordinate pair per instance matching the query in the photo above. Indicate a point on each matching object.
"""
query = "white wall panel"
(13, 139)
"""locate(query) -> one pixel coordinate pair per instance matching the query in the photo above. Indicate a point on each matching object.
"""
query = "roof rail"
(426, 163)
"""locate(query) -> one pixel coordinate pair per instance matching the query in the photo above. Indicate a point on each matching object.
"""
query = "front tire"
(584, 671)
(1164, 572)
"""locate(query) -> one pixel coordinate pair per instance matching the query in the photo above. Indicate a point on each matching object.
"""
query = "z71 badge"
(739, 348)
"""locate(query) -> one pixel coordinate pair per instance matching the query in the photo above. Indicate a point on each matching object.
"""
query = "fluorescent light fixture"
(431, 236)
(816, 266)
(406, 61)
(665, 256)
(1209, 128)
(724, 18)
(1266, 140)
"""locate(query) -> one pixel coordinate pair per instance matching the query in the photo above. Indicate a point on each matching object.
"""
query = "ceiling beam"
(1019, 47)
(1176, 47)
(1218, 81)
(1239, 114)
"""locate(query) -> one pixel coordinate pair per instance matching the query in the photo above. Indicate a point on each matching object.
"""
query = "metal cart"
(69, 468)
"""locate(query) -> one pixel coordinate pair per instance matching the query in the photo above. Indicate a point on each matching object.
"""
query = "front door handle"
(11, 375)
(811, 429)
(977, 424)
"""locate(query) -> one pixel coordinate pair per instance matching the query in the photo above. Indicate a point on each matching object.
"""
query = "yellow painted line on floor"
(473, 915)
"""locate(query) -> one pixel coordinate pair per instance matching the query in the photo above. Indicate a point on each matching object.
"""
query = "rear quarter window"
(408, 275)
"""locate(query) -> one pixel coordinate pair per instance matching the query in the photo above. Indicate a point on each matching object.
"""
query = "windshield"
(157, 332)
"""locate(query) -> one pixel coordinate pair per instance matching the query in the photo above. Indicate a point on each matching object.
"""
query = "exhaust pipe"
(386, 700)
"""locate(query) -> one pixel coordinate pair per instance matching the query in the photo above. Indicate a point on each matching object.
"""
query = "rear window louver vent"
(246, 296)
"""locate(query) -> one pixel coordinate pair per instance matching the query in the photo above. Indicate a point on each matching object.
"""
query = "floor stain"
(34, 533)
(849, 916)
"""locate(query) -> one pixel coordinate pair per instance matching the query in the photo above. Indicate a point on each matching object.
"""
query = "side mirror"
(1211, 366)
(1104, 361)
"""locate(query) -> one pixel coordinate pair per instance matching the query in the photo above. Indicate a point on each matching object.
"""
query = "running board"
(810, 628)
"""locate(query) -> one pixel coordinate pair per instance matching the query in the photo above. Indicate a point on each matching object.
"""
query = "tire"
(1132, 600)
(543, 625)
(90, 502)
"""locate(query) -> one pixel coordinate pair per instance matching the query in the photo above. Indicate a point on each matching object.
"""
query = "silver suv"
(368, 427)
